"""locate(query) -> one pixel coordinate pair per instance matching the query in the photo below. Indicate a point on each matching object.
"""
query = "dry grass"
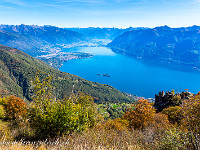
(92, 139)
(98, 138)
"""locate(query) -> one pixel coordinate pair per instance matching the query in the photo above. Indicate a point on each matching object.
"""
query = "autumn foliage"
(142, 115)
(191, 119)
(14, 107)
(77, 117)
(50, 117)
(174, 113)
(117, 124)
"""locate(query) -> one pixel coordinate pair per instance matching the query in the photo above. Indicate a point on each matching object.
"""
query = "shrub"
(174, 113)
(176, 100)
(191, 119)
(142, 115)
(1, 111)
(161, 122)
(14, 107)
(174, 139)
(116, 124)
(51, 117)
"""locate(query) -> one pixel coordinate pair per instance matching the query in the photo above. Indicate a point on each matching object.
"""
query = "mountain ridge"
(168, 45)
(32, 38)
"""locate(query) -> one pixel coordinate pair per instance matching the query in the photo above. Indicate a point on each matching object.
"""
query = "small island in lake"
(106, 75)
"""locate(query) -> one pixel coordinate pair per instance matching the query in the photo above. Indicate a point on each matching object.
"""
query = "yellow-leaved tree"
(191, 119)
(50, 117)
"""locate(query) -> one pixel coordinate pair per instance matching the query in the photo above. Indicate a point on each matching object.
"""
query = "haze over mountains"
(31, 38)
(164, 44)
(102, 33)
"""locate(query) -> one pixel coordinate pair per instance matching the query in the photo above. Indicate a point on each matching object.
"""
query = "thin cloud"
(101, 13)
(82, 1)
(6, 7)
(15, 2)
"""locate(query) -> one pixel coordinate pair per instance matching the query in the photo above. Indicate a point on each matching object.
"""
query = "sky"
(101, 13)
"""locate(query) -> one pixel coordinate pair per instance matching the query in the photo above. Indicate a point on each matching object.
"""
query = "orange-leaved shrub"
(191, 119)
(161, 122)
(117, 124)
(14, 107)
(141, 116)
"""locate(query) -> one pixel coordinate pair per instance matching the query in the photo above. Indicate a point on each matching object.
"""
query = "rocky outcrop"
(163, 100)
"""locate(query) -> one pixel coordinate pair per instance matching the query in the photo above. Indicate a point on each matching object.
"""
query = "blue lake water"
(130, 75)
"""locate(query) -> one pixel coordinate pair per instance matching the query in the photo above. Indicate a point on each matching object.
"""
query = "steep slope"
(30, 45)
(176, 45)
(17, 69)
(31, 38)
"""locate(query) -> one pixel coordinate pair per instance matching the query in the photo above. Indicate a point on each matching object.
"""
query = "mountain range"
(18, 69)
(31, 38)
(102, 33)
(164, 44)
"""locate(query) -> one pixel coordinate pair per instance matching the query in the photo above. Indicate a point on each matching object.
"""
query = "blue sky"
(101, 13)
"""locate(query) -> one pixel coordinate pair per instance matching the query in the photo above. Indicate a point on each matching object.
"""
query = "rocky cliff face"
(163, 100)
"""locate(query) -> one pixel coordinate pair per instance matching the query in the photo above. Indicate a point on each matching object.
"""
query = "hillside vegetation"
(75, 123)
(18, 69)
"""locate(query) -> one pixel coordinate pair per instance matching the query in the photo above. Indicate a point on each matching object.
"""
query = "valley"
(100, 74)
(140, 61)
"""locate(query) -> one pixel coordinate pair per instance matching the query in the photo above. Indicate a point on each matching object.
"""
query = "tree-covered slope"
(18, 69)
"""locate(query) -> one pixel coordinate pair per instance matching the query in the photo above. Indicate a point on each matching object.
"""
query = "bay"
(131, 75)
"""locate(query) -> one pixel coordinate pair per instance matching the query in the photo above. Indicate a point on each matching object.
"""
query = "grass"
(89, 140)
(98, 137)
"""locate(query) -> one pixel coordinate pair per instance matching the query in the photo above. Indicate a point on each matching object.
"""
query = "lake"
(130, 75)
